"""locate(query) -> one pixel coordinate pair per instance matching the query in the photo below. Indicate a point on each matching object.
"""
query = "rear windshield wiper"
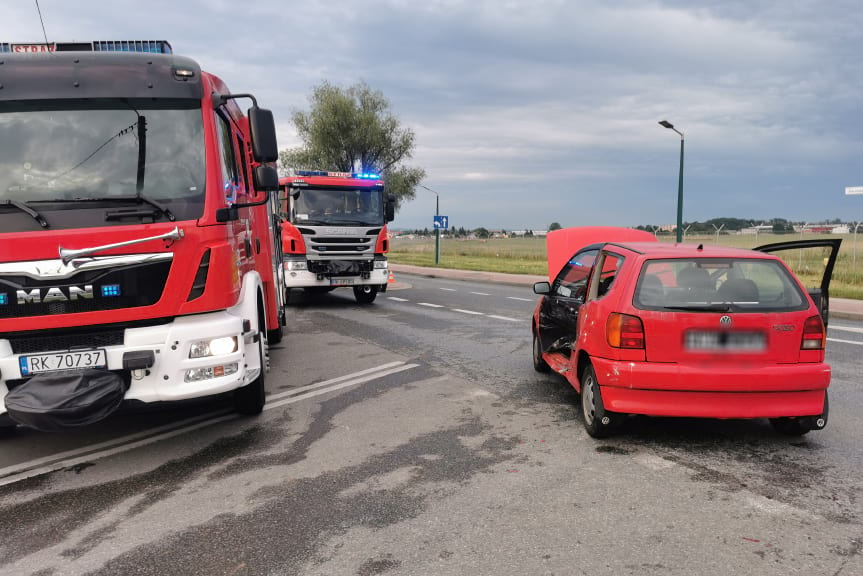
(700, 308)
(23, 207)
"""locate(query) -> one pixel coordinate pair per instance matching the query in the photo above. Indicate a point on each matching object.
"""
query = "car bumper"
(306, 279)
(713, 390)
(166, 380)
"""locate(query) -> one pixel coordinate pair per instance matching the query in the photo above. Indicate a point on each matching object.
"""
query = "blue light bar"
(366, 176)
(4, 299)
(109, 290)
(145, 46)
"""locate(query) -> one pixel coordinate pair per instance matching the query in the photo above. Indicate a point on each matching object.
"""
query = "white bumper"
(299, 278)
(165, 380)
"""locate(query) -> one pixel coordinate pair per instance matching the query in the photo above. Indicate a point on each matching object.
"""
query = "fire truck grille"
(340, 245)
(89, 291)
(51, 343)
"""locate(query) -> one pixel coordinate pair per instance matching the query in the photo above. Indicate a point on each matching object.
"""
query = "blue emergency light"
(137, 46)
(4, 299)
(109, 290)
(361, 175)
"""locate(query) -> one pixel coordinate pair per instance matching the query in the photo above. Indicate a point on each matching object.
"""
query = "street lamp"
(670, 126)
(437, 229)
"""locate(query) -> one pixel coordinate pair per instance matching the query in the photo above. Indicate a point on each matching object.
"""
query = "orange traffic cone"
(392, 278)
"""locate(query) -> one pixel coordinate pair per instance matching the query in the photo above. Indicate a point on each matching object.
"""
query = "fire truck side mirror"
(263, 129)
(266, 178)
(391, 208)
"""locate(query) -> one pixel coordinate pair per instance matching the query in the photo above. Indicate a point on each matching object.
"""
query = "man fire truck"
(334, 232)
(138, 258)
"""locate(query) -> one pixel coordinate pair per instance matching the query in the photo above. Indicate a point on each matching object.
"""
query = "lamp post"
(718, 230)
(670, 126)
(437, 229)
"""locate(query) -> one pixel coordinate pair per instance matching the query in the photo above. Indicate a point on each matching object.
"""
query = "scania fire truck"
(138, 259)
(334, 232)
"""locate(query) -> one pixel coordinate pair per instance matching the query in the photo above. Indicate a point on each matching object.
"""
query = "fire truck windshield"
(334, 206)
(58, 154)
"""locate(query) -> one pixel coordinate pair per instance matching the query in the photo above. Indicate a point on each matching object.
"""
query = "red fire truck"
(334, 232)
(138, 259)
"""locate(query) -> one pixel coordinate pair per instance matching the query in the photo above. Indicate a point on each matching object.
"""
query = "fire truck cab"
(334, 232)
(138, 259)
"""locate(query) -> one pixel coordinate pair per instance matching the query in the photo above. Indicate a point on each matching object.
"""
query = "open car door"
(812, 261)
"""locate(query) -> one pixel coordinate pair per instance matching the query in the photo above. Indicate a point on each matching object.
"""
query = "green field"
(527, 256)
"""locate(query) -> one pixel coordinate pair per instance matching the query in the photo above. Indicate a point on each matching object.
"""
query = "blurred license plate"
(725, 341)
(57, 361)
(343, 281)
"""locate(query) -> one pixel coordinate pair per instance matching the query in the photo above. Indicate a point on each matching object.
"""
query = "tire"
(250, 399)
(598, 422)
(539, 364)
(365, 294)
(275, 336)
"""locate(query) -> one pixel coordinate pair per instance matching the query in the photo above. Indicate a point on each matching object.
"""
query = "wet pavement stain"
(294, 518)
(51, 517)
(375, 566)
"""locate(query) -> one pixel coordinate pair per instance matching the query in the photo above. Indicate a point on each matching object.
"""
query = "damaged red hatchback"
(642, 327)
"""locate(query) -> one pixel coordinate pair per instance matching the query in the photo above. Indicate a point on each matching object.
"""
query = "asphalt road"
(414, 437)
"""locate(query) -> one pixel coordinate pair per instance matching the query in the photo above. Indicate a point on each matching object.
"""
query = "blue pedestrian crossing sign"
(441, 222)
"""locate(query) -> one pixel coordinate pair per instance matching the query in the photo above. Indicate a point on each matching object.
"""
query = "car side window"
(610, 265)
(572, 280)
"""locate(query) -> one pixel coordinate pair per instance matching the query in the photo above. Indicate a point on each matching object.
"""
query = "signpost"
(441, 222)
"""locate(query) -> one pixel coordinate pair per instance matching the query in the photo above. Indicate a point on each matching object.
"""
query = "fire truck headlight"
(380, 264)
(291, 265)
(214, 347)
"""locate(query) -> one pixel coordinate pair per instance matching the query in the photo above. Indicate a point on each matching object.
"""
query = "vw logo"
(725, 321)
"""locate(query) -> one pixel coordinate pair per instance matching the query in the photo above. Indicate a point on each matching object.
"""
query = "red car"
(642, 327)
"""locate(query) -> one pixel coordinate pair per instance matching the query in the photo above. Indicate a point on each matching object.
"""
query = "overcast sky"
(529, 112)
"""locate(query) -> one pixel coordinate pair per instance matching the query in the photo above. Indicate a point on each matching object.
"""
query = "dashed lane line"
(496, 317)
(521, 299)
(448, 289)
(480, 293)
(467, 311)
(846, 329)
(857, 342)
(397, 299)
(429, 305)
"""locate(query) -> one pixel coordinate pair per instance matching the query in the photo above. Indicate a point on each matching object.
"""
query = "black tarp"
(59, 400)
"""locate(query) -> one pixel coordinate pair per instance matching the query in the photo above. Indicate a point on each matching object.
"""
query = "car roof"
(670, 250)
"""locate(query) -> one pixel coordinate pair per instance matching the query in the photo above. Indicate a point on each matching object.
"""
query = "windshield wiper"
(23, 207)
(700, 308)
(138, 199)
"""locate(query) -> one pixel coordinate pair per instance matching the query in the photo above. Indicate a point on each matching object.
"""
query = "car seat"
(738, 290)
(697, 282)
(651, 292)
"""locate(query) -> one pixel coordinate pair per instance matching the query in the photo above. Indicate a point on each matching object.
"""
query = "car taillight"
(814, 335)
(625, 331)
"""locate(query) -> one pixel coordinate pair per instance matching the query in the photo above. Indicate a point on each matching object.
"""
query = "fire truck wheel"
(365, 294)
(250, 398)
(275, 336)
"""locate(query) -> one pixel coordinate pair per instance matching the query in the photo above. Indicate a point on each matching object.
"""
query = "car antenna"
(700, 247)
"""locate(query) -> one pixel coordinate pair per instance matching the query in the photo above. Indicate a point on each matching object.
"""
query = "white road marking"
(430, 305)
(504, 318)
(480, 293)
(846, 329)
(39, 466)
(522, 299)
(845, 341)
(466, 311)
(449, 289)
(397, 299)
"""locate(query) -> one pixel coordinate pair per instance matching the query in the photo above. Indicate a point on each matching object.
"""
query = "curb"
(844, 308)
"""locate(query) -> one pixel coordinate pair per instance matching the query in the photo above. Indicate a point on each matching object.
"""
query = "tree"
(353, 129)
(554, 226)
(481, 232)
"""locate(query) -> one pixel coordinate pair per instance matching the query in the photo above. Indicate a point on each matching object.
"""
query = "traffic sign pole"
(437, 231)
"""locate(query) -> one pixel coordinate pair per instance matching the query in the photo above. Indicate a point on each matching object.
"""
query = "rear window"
(718, 284)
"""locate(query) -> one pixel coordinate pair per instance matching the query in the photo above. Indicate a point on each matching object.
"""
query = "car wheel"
(365, 294)
(250, 399)
(598, 422)
(539, 364)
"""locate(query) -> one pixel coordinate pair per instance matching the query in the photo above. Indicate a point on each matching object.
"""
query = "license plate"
(58, 361)
(725, 341)
(343, 281)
